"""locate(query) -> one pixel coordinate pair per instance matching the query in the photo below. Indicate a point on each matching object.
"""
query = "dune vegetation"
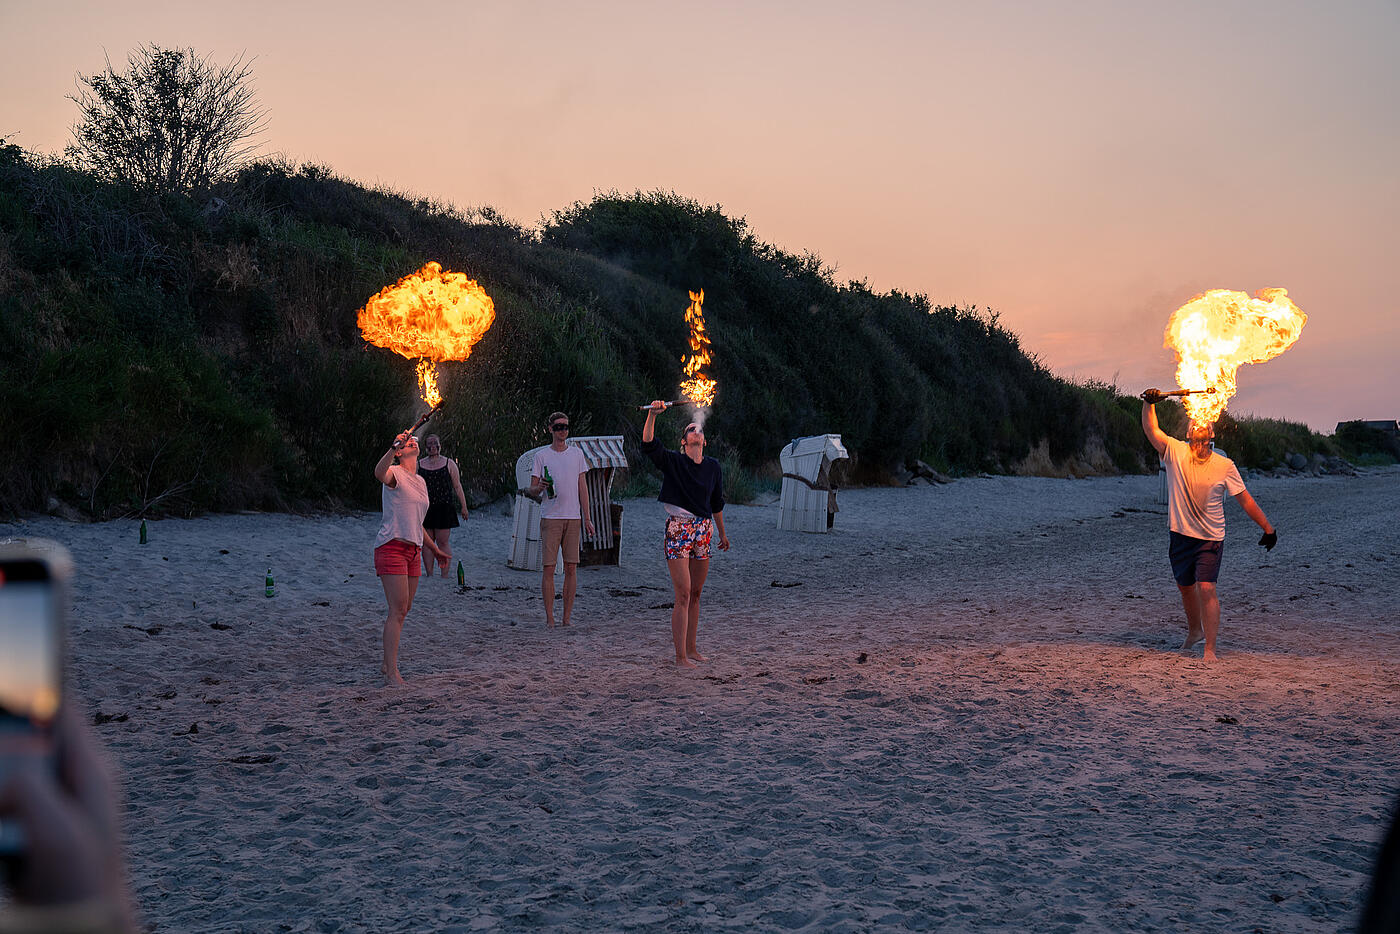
(175, 353)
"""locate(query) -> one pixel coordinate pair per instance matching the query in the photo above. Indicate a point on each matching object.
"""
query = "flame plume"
(698, 388)
(1214, 333)
(433, 315)
(427, 383)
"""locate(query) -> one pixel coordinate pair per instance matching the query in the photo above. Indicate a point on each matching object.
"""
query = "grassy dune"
(193, 354)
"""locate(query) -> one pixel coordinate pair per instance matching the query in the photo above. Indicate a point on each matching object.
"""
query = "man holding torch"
(1197, 481)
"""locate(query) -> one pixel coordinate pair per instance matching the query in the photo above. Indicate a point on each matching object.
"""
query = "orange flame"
(427, 383)
(699, 388)
(1214, 333)
(432, 314)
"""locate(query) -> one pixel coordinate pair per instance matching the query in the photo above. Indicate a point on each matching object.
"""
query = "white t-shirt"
(1196, 492)
(405, 505)
(565, 467)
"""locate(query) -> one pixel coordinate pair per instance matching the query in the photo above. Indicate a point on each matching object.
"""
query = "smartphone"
(34, 579)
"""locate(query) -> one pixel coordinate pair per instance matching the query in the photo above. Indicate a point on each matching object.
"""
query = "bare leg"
(442, 537)
(1210, 617)
(547, 588)
(570, 588)
(427, 555)
(699, 570)
(680, 610)
(398, 591)
(1191, 601)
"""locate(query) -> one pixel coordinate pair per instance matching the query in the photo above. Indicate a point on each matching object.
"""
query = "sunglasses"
(559, 426)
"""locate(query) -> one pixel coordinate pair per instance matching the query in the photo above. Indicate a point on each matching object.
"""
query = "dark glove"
(1152, 396)
(1269, 540)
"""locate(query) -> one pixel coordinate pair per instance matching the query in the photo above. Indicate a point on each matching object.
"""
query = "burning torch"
(1153, 396)
(422, 420)
(698, 389)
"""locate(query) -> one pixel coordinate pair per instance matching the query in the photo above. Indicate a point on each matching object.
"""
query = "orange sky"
(1081, 168)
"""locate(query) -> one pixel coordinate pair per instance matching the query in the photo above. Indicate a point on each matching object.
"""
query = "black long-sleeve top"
(696, 488)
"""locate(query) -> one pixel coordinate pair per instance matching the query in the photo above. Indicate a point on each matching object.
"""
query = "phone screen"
(29, 676)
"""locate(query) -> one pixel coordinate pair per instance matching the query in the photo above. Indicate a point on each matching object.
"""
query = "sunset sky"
(1081, 168)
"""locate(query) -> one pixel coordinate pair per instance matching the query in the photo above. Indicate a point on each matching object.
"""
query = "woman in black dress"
(444, 482)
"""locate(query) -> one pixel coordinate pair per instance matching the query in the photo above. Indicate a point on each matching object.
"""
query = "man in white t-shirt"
(558, 474)
(1197, 481)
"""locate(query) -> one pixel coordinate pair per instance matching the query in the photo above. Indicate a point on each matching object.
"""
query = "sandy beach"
(963, 709)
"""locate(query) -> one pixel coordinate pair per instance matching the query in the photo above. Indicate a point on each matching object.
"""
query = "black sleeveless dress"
(441, 514)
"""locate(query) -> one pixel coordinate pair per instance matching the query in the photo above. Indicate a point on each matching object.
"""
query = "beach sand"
(963, 709)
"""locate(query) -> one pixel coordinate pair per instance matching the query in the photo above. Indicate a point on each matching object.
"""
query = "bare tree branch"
(172, 121)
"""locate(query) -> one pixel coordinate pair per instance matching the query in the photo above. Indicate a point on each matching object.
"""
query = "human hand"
(723, 542)
(588, 526)
(72, 852)
(1269, 540)
(463, 513)
(657, 405)
(1152, 396)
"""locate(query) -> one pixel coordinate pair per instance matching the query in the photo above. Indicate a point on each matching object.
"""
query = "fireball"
(1214, 333)
(431, 315)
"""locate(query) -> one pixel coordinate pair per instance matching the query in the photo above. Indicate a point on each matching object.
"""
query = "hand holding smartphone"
(34, 579)
(60, 843)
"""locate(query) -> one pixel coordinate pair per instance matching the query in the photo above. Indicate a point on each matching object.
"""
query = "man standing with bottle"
(558, 474)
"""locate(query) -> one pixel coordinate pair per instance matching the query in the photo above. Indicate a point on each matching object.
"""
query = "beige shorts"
(555, 533)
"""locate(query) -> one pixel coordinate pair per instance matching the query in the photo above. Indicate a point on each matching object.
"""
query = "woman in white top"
(400, 541)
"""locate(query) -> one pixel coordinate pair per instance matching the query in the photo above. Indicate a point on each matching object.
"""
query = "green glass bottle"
(461, 575)
(143, 531)
(267, 588)
(548, 483)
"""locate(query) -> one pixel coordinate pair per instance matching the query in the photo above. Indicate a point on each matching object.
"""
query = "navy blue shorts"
(1195, 560)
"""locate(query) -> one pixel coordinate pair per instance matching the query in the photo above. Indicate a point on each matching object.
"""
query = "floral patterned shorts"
(687, 538)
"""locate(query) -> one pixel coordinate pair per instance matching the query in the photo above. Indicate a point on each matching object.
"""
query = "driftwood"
(920, 469)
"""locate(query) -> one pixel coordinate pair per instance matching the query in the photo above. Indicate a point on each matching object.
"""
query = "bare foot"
(685, 663)
(1208, 655)
(549, 623)
(697, 656)
(1192, 637)
(563, 624)
(393, 679)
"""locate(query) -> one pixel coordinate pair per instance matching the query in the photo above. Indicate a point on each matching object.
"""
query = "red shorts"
(397, 556)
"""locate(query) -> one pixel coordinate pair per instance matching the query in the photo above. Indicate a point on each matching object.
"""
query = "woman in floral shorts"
(692, 490)
(687, 538)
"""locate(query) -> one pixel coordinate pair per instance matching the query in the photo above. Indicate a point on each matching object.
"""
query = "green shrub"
(637, 484)
(123, 429)
(223, 333)
(1360, 442)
